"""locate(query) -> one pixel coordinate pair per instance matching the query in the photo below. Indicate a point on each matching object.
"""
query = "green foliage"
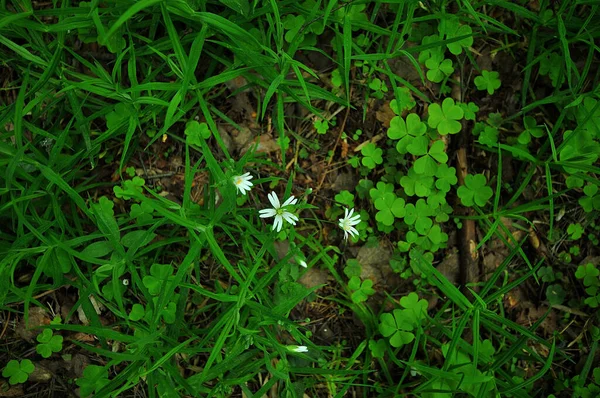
(475, 191)
(399, 325)
(575, 231)
(322, 126)
(451, 28)
(49, 343)
(531, 130)
(360, 291)
(555, 294)
(345, 198)
(18, 372)
(589, 273)
(489, 81)
(196, 132)
(445, 118)
(406, 131)
(371, 155)
(93, 380)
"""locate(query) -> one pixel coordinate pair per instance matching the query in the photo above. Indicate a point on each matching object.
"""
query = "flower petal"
(274, 200)
(265, 213)
(290, 201)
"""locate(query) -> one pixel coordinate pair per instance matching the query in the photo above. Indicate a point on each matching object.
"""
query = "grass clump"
(299, 198)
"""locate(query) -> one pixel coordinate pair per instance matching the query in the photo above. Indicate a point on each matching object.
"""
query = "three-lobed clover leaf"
(406, 130)
(361, 291)
(94, 378)
(591, 200)
(438, 67)
(445, 178)
(18, 372)
(195, 132)
(415, 308)
(345, 198)
(118, 115)
(292, 24)
(48, 343)
(389, 206)
(594, 299)
(371, 155)
(488, 136)
(377, 348)
(381, 189)
(134, 185)
(589, 273)
(531, 130)
(445, 118)
(451, 28)
(404, 101)
(575, 231)
(475, 190)
(322, 126)
(428, 164)
(469, 109)
(352, 268)
(419, 215)
(397, 327)
(379, 88)
(141, 212)
(489, 80)
(416, 184)
(158, 274)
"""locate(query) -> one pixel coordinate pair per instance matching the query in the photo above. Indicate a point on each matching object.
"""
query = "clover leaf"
(594, 299)
(427, 165)
(195, 132)
(18, 372)
(141, 212)
(404, 101)
(352, 268)
(322, 126)
(371, 155)
(158, 274)
(292, 24)
(451, 28)
(94, 378)
(531, 129)
(379, 88)
(397, 327)
(583, 112)
(591, 200)
(489, 81)
(445, 118)
(555, 294)
(575, 231)
(589, 273)
(389, 206)
(117, 116)
(406, 130)
(416, 184)
(381, 189)
(361, 292)
(415, 309)
(469, 109)
(418, 215)
(475, 190)
(377, 348)
(136, 184)
(488, 136)
(48, 343)
(446, 177)
(439, 68)
(345, 198)
(137, 312)
(546, 274)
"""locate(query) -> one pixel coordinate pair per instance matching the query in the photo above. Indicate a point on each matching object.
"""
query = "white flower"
(348, 222)
(242, 183)
(303, 263)
(279, 212)
(125, 282)
(297, 348)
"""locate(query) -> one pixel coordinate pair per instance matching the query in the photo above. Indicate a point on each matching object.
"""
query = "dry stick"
(469, 269)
